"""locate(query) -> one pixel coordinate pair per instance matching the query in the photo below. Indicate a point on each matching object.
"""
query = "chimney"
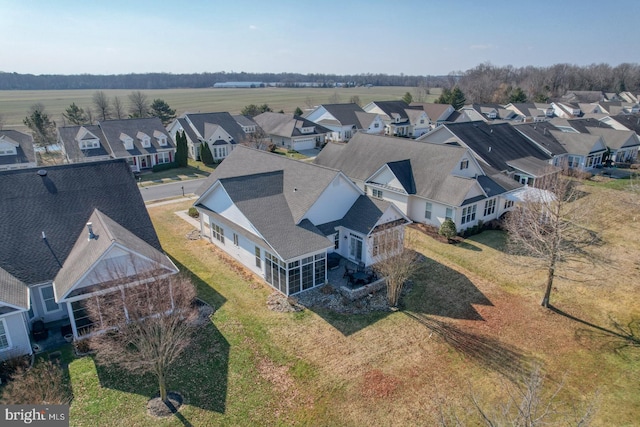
(90, 228)
(44, 236)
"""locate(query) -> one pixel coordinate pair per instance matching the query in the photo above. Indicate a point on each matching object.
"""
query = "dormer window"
(144, 139)
(308, 129)
(87, 144)
(492, 115)
(160, 137)
(127, 141)
(7, 151)
(86, 140)
(249, 129)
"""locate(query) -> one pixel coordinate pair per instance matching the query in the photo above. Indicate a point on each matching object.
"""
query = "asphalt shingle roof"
(287, 125)
(113, 129)
(68, 134)
(59, 205)
(25, 152)
(222, 119)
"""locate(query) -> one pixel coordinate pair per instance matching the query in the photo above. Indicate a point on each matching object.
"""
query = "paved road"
(173, 189)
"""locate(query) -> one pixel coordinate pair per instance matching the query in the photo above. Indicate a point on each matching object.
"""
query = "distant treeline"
(15, 81)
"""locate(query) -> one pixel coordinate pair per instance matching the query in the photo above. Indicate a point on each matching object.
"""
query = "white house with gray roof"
(344, 120)
(281, 217)
(16, 150)
(427, 182)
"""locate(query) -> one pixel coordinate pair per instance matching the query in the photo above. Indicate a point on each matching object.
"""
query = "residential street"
(164, 191)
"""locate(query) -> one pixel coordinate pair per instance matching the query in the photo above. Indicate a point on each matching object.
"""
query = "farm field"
(14, 105)
(471, 324)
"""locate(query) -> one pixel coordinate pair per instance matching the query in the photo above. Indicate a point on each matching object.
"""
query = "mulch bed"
(159, 409)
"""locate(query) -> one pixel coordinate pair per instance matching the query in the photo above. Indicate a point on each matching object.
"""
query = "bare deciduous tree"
(548, 227)
(118, 108)
(43, 384)
(393, 260)
(257, 139)
(145, 327)
(139, 105)
(102, 104)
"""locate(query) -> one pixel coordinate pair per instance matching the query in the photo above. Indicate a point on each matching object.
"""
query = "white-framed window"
(427, 210)
(508, 204)
(164, 157)
(219, 152)
(8, 152)
(146, 142)
(235, 239)
(489, 207)
(376, 125)
(5, 342)
(468, 214)
(464, 164)
(258, 258)
(162, 140)
(217, 232)
(48, 299)
(336, 241)
(88, 144)
(377, 193)
(448, 214)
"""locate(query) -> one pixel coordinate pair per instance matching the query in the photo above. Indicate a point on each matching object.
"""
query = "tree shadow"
(621, 338)
(468, 246)
(488, 352)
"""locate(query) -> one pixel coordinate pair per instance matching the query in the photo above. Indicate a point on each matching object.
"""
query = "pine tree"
(407, 98)
(160, 109)
(75, 115)
(181, 149)
(42, 128)
(205, 154)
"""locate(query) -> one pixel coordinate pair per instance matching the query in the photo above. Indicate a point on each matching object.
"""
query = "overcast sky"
(332, 37)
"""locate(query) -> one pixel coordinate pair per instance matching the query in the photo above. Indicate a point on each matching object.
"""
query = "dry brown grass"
(471, 321)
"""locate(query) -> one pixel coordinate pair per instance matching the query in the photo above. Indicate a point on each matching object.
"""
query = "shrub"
(164, 166)
(448, 229)
(193, 212)
(272, 148)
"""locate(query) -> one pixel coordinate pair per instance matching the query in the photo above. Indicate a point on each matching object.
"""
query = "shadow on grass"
(620, 338)
(487, 352)
(469, 247)
(200, 375)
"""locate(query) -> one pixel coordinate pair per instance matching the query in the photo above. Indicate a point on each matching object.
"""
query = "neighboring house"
(622, 144)
(70, 232)
(16, 150)
(486, 113)
(400, 118)
(586, 96)
(83, 143)
(624, 122)
(531, 112)
(498, 145)
(292, 132)
(566, 110)
(144, 143)
(221, 131)
(344, 120)
(428, 182)
(281, 217)
(436, 113)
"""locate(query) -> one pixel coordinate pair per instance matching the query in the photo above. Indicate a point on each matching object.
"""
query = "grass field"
(471, 323)
(14, 105)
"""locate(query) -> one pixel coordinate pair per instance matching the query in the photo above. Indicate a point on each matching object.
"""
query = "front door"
(145, 162)
(355, 248)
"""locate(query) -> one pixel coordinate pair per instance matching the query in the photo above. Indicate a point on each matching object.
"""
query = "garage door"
(304, 144)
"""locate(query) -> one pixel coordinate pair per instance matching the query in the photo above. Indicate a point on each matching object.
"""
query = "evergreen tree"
(253, 110)
(448, 229)
(407, 98)
(42, 128)
(205, 154)
(453, 97)
(517, 95)
(298, 112)
(75, 115)
(160, 109)
(181, 149)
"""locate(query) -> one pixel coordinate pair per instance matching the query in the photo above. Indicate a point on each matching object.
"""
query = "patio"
(354, 282)
(52, 338)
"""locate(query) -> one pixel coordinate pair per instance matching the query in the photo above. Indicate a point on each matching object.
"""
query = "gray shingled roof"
(13, 291)
(60, 204)
(222, 119)
(67, 135)
(434, 111)
(112, 129)
(346, 113)
(630, 121)
(86, 252)
(616, 139)
(188, 130)
(540, 133)
(576, 143)
(25, 152)
(287, 125)
(431, 164)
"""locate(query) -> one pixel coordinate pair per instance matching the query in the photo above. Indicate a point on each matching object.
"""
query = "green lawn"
(471, 321)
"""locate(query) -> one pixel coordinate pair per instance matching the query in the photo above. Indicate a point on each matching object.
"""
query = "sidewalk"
(169, 201)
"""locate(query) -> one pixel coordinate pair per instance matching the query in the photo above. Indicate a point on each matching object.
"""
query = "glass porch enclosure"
(298, 275)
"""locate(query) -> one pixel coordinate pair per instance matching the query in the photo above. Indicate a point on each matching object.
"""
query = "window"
(258, 259)
(336, 241)
(508, 204)
(448, 214)
(421, 121)
(164, 157)
(217, 232)
(162, 140)
(219, 152)
(427, 211)
(89, 143)
(48, 299)
(376, 193)
(377, 125)
(235, 239)
(468, 214)
(464, 164)
(4, 337)
(489, 207)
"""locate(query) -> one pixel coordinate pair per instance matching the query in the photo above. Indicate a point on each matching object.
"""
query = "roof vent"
(42, 172)
(295, 189)
(90, 228)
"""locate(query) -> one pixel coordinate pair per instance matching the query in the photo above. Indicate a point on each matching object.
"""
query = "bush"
(448, 229)
(164, 167)
(272, 148)
(193, 212)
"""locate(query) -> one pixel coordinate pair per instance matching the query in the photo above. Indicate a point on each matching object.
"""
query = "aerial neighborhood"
(313, 201)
